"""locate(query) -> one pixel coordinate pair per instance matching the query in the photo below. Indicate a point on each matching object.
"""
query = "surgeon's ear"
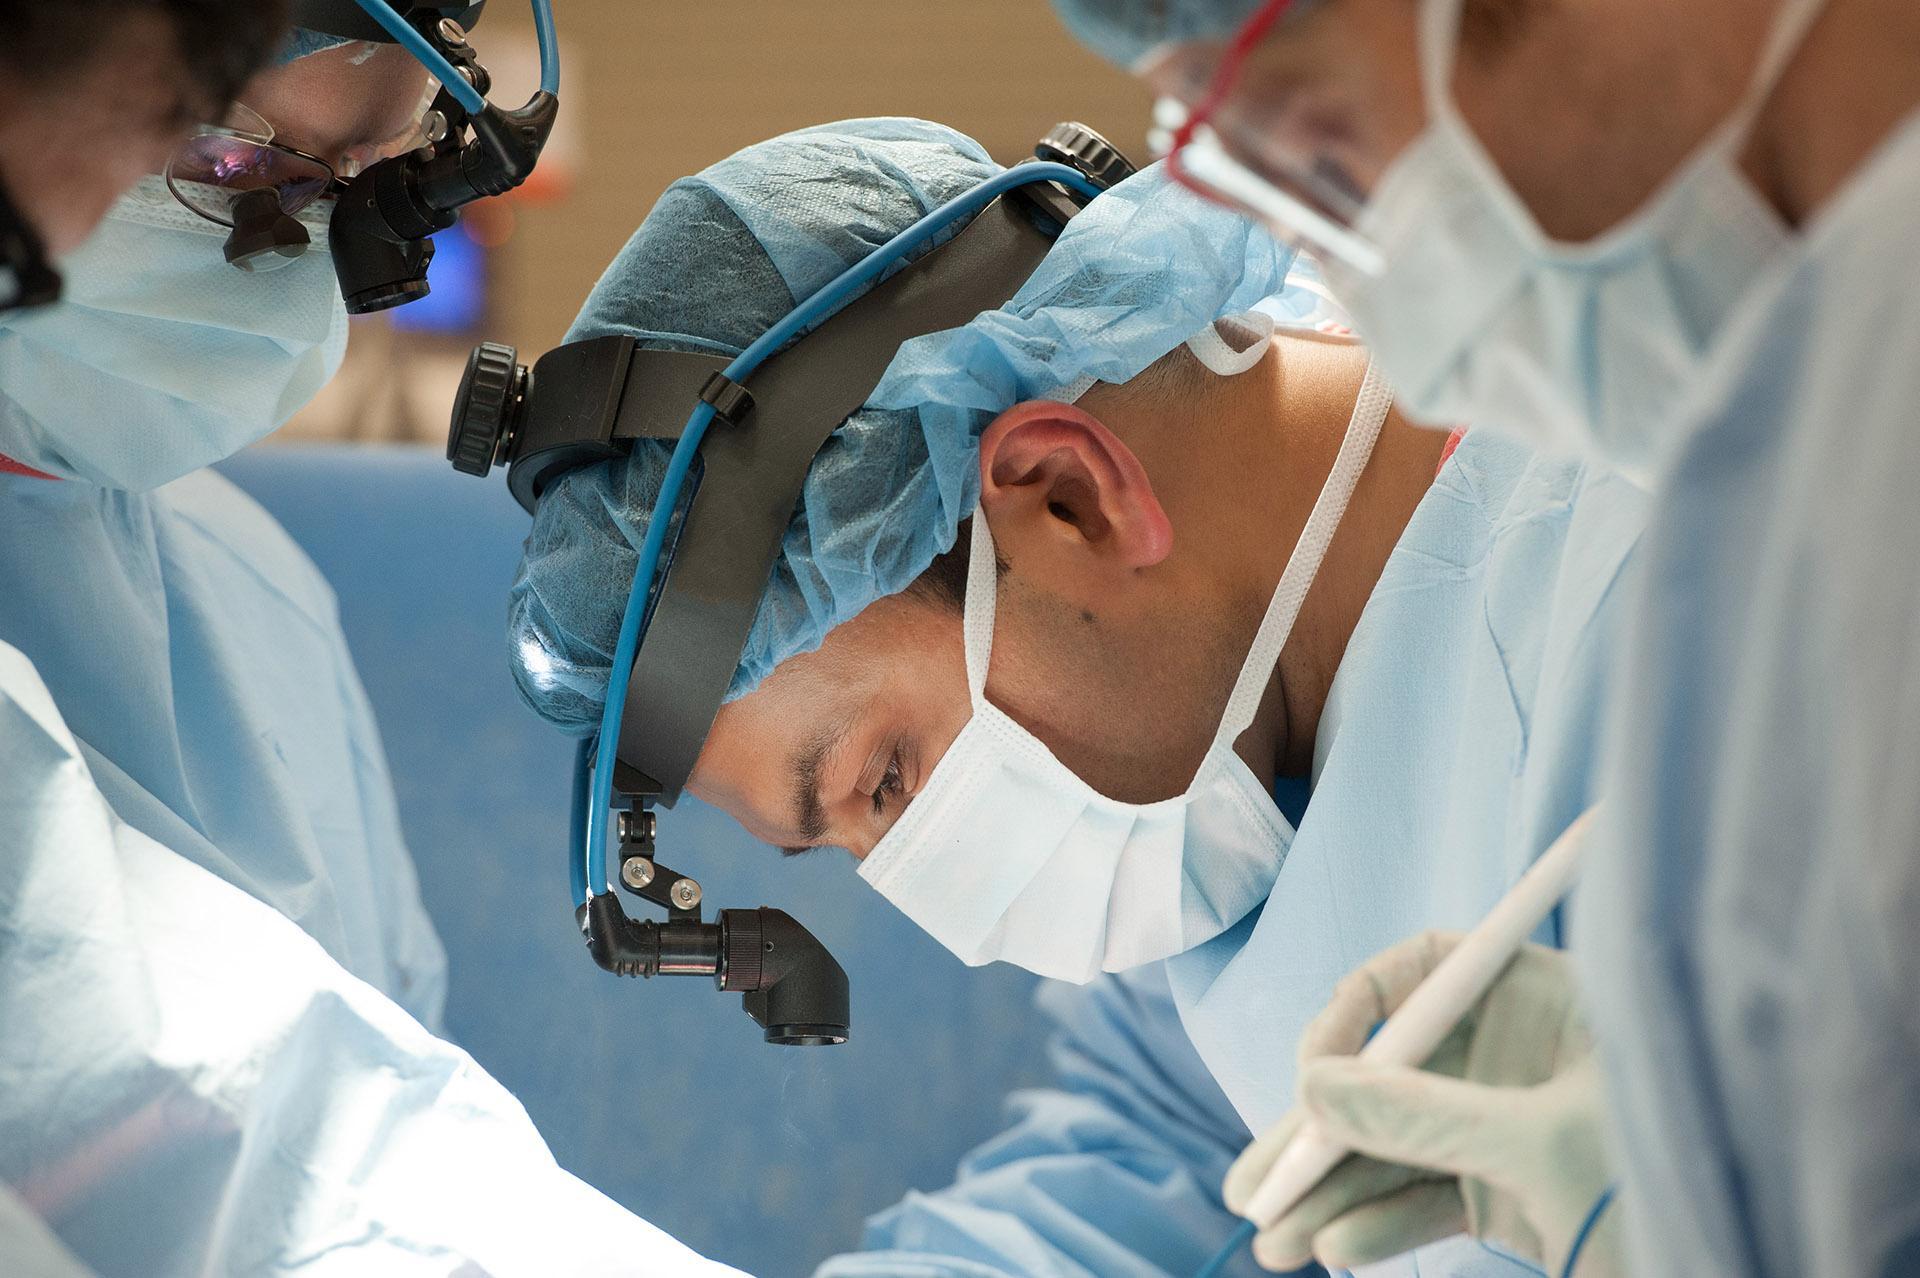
(1054, 472)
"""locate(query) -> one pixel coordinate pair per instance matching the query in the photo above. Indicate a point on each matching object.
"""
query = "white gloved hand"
(1499, 1136)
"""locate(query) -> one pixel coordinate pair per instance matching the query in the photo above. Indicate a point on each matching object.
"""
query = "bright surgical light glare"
(537, 663)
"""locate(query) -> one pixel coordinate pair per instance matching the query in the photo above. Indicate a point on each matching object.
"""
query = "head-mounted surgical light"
(753, 423)
(380, 232)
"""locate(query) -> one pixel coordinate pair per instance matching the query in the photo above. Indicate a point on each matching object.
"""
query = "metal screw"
(636, 872)
(685, 893)
(434, 126)
(623, 827)
(452, 32)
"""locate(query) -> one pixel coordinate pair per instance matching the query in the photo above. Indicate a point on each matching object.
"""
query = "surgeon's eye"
(890, 785)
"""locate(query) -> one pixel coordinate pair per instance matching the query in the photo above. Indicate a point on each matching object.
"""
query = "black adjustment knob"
(483, 412)
(1079, 147)
(743, 949)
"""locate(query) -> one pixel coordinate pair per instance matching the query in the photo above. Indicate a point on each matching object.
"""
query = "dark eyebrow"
(810, 818)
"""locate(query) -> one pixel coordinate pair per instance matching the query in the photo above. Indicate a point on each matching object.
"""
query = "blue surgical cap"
(301, 42)
(727, 253)
(1125, 31)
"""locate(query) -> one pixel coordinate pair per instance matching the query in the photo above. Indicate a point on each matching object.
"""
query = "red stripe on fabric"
(1453, 442)
(8, 466)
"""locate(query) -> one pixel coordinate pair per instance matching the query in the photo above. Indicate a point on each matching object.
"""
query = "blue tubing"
(1241, 1237)
(1594, 1213)
(549, 47)
(577, 820)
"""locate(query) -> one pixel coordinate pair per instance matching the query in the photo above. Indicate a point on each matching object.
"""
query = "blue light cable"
(1594, 1213)
(549, 47)
(1241, 1238)
(577, 818)
(802, 317)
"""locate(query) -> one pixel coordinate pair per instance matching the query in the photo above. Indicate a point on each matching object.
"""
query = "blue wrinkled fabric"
(1125, 31)
(197, 657)
(193, 1086)
(1112, 1169)
(727, 253)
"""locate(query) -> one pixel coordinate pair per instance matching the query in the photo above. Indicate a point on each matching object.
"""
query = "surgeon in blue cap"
(1062, 605)
(217, 979)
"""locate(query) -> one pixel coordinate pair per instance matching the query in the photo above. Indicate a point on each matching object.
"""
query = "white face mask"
(1479, 318)
(163, 358)
(1007, 854)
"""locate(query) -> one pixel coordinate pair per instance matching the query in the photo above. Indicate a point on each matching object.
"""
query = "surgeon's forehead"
(354, 95)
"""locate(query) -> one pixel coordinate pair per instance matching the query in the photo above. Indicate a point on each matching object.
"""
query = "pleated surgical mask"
(162, 358)
(1479, 318)
(1006, 854)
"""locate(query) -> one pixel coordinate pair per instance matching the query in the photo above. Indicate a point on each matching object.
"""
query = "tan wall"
(670, 87)
(661, 88)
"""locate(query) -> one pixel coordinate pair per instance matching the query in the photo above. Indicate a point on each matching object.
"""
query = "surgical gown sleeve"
(1113, 1171)
(190, 1085)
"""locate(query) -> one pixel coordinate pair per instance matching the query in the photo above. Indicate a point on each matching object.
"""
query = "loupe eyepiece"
(379, 235)
(264, 236)
(792, 986)
(382, 226)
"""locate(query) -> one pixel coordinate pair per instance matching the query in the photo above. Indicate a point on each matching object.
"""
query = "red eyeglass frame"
(1251, 33)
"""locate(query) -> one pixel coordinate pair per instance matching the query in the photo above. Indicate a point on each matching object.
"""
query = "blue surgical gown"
(1751, 915)
(1460, 737)
(191, 1085)
(196, 654)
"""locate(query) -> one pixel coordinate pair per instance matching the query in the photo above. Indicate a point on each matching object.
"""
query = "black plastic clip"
(729, 398)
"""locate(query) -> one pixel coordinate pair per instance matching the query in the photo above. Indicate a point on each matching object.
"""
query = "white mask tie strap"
(1363, 428)
(1790, 26)
(1220, 356)
(976, 628)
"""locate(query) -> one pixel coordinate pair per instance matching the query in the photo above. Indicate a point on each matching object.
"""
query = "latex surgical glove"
(1499, 1136)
